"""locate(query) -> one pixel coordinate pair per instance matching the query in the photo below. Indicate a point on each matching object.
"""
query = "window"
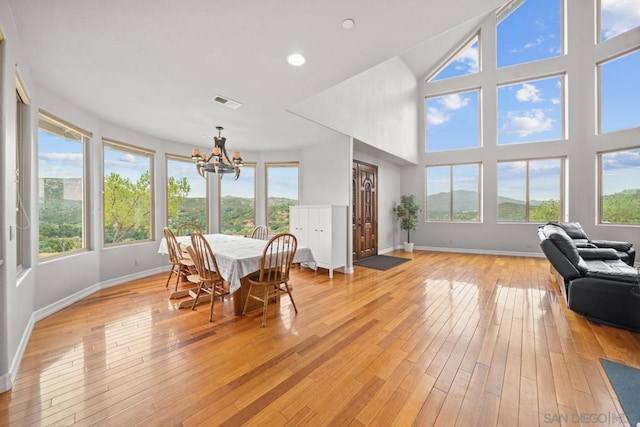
(531, 111)
(238, 202)
(453, 121)
(528, 31)
(282, 192)
(617, 17)
(21, 212)
(531, 190)
(453, 193)
(186, 193)
(466, 61)
(619, 93)
(61, 186)
(619, 187)
(128, 193)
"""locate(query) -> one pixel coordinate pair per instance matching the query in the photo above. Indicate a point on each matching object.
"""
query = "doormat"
(626, 383)
(380, 262)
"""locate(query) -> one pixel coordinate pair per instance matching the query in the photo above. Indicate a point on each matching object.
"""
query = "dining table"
(237, 257)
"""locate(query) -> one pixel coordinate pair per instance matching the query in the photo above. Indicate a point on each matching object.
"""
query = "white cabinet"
(323, 229)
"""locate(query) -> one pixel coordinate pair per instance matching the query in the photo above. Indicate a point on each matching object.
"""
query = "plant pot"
(408, 246)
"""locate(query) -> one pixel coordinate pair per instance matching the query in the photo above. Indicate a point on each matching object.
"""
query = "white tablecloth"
(237, 256)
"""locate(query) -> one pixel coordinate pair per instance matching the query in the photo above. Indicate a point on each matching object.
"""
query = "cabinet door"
(320, 234)
(298, 225)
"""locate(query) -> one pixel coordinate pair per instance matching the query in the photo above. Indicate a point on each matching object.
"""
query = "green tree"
(549, 210)
(60, 218)
(622, 207)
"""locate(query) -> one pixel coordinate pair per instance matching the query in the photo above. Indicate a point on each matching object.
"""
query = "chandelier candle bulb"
(196, 153)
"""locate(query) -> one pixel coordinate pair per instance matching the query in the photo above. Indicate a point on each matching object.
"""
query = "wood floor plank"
(445, 339)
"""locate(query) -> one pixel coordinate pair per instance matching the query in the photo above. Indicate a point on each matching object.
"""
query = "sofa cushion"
(615, 270)
(563, 242)
(573, 229)
(618, 246)
(598, 253)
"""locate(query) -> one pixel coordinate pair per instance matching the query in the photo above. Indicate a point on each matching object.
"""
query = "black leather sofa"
(625, 250)
(596, 282)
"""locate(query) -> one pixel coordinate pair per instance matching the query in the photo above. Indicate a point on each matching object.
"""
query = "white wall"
(377, 106)
(16, 291)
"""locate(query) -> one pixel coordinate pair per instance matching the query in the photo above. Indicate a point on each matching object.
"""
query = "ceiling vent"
(226, 102)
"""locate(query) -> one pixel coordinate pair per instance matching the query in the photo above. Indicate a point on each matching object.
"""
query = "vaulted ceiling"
(154, 65)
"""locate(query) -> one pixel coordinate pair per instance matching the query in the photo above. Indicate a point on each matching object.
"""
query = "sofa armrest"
(598, 253)
(613, 244)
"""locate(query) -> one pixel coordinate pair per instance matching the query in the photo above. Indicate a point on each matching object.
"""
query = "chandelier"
(218, 162)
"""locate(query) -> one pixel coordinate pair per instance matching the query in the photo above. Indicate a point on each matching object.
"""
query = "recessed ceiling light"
(348, 23)
(296, 59)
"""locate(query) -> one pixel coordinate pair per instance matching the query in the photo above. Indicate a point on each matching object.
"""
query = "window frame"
(454, 55)
(21, 212)
(562, 185)
(563, 106)
(55, 122)
(138, 151)
(599, 186)
(253, 165)
(598, 71)
(451, 199)
(463, 89)
(189, 160)
(267, 166)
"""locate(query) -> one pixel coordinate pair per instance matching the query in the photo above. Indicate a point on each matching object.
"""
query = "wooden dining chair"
(260, 232)
(208, 276)
(181, 264)
(272, 279)
(187, 229)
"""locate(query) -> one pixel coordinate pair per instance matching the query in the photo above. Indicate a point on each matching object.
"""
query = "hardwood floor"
(445, 339)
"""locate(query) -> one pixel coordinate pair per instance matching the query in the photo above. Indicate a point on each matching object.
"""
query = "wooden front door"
(365, 210)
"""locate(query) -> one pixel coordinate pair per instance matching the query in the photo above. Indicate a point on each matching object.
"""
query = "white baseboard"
(6, 380)
(465, 251)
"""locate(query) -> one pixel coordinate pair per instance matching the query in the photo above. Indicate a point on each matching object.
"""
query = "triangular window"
(465, 61)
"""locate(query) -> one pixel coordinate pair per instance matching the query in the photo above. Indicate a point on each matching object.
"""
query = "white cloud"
(436, 117)
(528, 93)
(453, 101)
(469, 57)
(555, 101)
(62, 157)
(619, 16)
(529, 122)
(537, 42)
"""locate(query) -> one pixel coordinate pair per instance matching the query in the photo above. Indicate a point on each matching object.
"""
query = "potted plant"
(407, 212)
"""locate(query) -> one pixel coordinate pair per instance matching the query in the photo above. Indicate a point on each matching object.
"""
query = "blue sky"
(620, 171)
(184, 168)
(445, 116)
(530, 111)
(465, 177)
(243, 187)
(125, 164)
(59, 157)
(544, 182)
(283, 182)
